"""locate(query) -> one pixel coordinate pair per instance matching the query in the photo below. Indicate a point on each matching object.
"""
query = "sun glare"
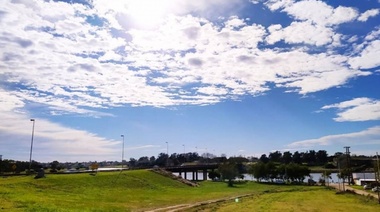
(147, 13)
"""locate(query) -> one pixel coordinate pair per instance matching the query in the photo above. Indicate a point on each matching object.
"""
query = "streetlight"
(184, 150)
(31, 146)
(167, 152)
(378, 176)
(122, 153)
(1, 161)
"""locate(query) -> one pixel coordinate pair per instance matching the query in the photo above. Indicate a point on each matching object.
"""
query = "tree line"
(308, 158)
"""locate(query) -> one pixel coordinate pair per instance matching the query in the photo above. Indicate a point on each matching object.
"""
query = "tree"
(275, 156)
(264, 158)
(143, 162)
(152, 160)
(296, 172)
(258, 171)
(297, 157)
(322, 157)
(213, 175)
(271, 170)
(287, 157)
(162, 159)
(326, 176)
(132, 162)
(309, 157)
(228, 172)
(174, 159)
(54, 165)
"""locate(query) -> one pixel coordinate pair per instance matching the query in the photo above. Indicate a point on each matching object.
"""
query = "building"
(363, 178)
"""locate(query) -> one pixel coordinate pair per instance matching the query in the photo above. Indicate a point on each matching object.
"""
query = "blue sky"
(234, 77)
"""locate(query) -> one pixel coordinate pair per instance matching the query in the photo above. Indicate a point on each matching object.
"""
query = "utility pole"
(122, 154)
(167, 153)
(348, 164)
(340, 173)
(31, 146)
(378, 176)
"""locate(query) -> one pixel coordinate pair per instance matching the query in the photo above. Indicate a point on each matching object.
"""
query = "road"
(181, 207)
(357, 191)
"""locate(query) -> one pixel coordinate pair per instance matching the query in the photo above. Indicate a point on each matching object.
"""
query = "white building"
(363, 178)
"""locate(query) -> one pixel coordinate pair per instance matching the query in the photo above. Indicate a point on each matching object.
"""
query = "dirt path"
(349, 188)
(182, 207)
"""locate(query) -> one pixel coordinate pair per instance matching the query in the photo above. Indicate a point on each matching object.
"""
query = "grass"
(311, 199)
(129, 191)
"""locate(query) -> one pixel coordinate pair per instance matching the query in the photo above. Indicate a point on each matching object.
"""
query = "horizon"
(234, 77)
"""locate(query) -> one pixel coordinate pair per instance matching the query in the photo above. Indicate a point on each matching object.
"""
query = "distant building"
(363, 178)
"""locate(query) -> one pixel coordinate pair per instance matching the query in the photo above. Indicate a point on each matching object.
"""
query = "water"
(189, 175)
(313, 176)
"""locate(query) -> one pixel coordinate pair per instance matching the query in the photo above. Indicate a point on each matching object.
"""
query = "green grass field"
(313, 199)
(142, 190)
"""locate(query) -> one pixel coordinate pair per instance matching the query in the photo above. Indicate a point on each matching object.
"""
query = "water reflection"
(313, 176)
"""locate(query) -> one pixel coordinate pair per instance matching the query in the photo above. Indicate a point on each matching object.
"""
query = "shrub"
(330, 166)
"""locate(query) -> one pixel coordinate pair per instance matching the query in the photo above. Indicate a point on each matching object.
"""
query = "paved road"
(349, 188)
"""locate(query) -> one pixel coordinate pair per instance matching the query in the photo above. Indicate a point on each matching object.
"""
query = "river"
(313, 176)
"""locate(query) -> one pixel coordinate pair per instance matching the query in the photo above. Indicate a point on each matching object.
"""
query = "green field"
(143, 190)
(313, 199)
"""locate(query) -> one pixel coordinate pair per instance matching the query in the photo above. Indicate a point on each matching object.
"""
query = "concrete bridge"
(194, 169)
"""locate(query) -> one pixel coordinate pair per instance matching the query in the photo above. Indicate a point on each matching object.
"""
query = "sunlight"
(147, 13)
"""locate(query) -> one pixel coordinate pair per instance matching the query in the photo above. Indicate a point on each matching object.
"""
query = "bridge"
(194, 169)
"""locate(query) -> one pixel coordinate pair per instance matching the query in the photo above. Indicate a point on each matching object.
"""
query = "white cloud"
(212, 90)
(51, 141)
(71, 65)
(374, 34)
(277, 4)
(368, 58)
(148, 14)
(370, 136)
(358, 109)
(320, 13)
(368, 14)
(302, 32)
(9, 102)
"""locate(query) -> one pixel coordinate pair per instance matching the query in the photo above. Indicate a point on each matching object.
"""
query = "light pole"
(122, 153)
(167, 152)
(378, 176)
(1, 161)
(184, 150)
(31, 146)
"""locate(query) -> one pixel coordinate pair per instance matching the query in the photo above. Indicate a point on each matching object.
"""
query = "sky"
(233, 77)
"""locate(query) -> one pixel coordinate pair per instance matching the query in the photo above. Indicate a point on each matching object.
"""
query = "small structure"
(363, 178)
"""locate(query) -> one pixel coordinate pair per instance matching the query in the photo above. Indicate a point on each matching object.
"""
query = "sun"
(147, 13)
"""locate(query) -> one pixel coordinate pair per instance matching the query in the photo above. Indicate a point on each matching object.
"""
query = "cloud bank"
(85, 58)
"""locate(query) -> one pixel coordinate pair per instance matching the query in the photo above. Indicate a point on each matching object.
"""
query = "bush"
(322, 181)
(214, 175)
(330, 166)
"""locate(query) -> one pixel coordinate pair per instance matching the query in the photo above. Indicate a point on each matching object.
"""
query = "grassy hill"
(111, 191)
(130, 190)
